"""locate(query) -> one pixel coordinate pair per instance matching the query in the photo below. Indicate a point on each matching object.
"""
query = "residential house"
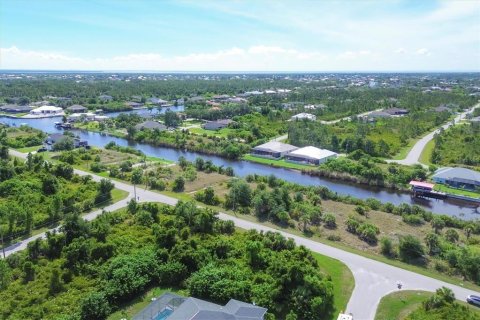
(458, 177)
(217, 125)
(304, 116)
(56, 137)
(134, 105)
(396, 111)
(47, 110)
(150, 125)
(13, 108)
(310, 155)
(171, 306)
(76, 108)
(273, 149)
(157, 101)
(105, 97)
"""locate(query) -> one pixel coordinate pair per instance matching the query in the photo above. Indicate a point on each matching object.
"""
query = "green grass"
(426, 155)
(28, 149)
(277, 163)
(398, 305)
(461, 192)
(223, 133)
(402, 153)
(342, 278)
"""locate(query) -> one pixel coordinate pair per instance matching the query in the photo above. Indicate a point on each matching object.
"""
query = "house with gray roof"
(217, 125)
(76, 108)
(273, 150)
(150, 125)
(458, 177)
(170, 306)
(13, 108)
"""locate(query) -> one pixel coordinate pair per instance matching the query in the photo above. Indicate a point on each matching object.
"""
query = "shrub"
(410, 248)
(94, 307)
(386, 247)
(330, 221)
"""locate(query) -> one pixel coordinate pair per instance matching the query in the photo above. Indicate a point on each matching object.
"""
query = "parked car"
(42, 149)
(475, 300)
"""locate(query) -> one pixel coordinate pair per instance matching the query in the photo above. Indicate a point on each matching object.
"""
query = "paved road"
(373, 279)
(413, 157)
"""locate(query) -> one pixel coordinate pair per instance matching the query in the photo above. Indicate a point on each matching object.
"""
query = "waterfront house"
(273, 149)
(76, 108)
(150, 125)
(217, 125)
(458, 178)
(310, 155)
(13, 108)
(56, 137)
(304, 115)
(133, 105)
(171, 306)
(47, 110)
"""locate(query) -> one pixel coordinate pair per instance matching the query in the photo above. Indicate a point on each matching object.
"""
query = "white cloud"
(400, 51)
(255, 58)
(423, 51)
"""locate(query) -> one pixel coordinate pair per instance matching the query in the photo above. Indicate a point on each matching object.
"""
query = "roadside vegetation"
(422, 305)
(458, 145)
(95, 268)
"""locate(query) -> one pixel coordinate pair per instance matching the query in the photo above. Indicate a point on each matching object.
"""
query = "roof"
(14, 107)
(395, 110)
(304, 115)
(76, 107)
(312, 153)
(150, 125)
(421, 184)
(47, 108)
(379, 114)
(275, 146)
(457, 173)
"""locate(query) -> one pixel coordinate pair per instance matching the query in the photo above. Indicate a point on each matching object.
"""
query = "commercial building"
(273, 149)
(310, 155)
(304, 115)
(170, 306)
(458, 177)
(47, 110)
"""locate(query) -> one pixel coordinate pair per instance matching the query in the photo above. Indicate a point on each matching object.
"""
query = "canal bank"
(243, 168)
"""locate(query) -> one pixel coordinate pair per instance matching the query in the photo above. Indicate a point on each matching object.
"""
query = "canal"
(242, 168)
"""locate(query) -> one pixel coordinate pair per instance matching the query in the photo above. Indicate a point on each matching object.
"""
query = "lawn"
(461, 192)
(399, 305)
(29, 149)
(342, 278)
(426, 155)
(223, 133)
(277, 163)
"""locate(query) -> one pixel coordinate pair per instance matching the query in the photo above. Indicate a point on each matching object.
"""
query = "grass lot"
(461, 192)
(223, 133)
(94, 126)
(277, 163)
(342, 278)
(29, 149)
(426, 155)
(398, 305)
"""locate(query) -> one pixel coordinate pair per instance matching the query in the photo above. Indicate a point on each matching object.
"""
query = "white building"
(304, 115)
(47, 111)
(310, 155)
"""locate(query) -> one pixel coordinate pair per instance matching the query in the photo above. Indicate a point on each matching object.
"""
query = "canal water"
(460, 209)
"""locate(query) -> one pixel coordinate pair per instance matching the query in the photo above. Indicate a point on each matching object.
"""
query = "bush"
(386, 247)
(410, 248)
(412, 219)
(178, 184)
(329, 220)
(94, 307)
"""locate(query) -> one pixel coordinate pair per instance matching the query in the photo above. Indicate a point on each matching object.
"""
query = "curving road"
(413, 157)
(373, 279)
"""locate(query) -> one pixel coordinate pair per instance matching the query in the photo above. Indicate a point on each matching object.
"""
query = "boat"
(58, 124)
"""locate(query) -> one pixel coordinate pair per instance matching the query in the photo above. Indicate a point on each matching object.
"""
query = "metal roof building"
(273, 149)
(310, 155)
(458, 177)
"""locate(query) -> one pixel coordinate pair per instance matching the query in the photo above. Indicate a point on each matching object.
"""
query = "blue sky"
(260, 35)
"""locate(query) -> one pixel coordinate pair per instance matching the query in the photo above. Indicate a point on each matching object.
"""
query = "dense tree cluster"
(118, 256)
